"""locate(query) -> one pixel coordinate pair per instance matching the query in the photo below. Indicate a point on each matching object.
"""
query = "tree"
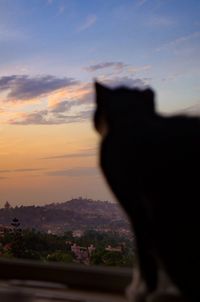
(60, 256)
(17, 244)
(7, 205)
(15, 223)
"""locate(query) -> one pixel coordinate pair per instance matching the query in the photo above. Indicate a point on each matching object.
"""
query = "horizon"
(2, 206)
(51, 52)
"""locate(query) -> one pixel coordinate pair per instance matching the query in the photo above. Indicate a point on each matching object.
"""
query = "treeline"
(108, 248)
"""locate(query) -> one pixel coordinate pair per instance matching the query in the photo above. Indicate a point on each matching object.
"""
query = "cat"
(152, 164)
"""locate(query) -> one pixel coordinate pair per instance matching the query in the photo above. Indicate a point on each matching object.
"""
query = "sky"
(50, 53)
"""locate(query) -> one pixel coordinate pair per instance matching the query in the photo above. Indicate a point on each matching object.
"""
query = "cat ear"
(148, 95)
(102, 94)
(101, 89)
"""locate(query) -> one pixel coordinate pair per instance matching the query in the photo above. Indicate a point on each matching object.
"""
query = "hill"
(71, 215)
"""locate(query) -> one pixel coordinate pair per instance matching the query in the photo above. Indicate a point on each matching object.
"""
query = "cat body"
(152, 165)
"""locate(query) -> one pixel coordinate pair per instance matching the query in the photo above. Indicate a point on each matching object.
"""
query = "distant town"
(80, 231)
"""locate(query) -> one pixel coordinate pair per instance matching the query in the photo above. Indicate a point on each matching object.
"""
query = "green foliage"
(31, 244)
(107, 258)
(96, 258)
(101, 239)
(60, 256)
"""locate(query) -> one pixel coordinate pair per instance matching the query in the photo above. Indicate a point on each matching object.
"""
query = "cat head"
(121, 105)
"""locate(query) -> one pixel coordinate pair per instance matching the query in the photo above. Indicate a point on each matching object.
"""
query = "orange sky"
(48, 163)
(41, 164)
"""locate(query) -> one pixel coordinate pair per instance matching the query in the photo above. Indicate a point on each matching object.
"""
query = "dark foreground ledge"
(84, 278)
(29, 281)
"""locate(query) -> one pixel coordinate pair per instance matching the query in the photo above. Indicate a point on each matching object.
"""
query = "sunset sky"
(50, 53)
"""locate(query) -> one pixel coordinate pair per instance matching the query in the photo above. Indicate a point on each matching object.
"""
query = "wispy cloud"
(70, 96)
(63, 106)
(5, 171)
(75, 172)
(66, 106)
(71, 103)
(138, 69)
(45, 117)
(117, 68)
(24, 87)
(34, 118)
(21, 170)
(82, 153)
(90, 21)
(179, 41)
(126, 81)
(103, 65)
(28, 169)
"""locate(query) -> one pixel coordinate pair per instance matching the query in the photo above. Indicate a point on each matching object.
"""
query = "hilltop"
(79, 213)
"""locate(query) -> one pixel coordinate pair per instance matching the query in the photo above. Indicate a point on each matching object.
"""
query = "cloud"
(90, 21)
(76, 172)
(71, 105)
(173, 76)
(103, 65)
(64, 99)
(5, 171)
(76, 107)
(63, 106)
(118, 68)
(21, 170)
(82, 153)
(126, 81)
(34, 118)
(24, 87)
(27, 169)
(61, 118)
(45, 117)
(179, 41)
(139, 69)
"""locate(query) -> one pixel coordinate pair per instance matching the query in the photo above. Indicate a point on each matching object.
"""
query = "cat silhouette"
(152, 165)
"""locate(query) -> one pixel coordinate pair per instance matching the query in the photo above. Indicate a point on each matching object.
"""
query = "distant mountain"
(75, 214)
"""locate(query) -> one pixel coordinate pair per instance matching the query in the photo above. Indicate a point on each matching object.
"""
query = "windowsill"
(65, 279)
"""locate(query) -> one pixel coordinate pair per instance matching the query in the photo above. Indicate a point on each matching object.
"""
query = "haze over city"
(50, 53)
